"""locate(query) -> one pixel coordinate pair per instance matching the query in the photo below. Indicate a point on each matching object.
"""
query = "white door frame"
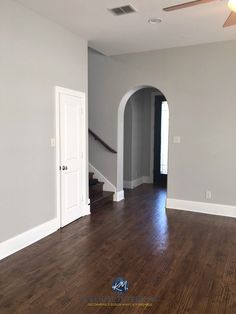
(84, 134)
(152, 133)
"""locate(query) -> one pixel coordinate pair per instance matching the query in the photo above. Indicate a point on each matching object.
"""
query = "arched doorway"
(120, 154)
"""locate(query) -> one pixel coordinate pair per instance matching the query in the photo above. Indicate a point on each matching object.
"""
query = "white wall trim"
(27, 238)
(86, 210)
(133, 184)
(108, 186)
(200, 207)
(120, 135)
(148, 180)
(152, 131)
(119, 196)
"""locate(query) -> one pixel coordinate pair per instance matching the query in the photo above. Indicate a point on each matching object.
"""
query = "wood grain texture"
(186, 5)
(231, 20)
(186, 260)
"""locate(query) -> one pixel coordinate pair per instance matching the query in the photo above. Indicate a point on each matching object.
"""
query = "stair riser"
(93, 182)
(95, 193)
(96, 189)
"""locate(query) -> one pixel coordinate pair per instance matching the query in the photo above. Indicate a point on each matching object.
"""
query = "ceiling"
(114, 35)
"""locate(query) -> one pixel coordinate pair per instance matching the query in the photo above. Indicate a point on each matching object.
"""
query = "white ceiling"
(113, 35)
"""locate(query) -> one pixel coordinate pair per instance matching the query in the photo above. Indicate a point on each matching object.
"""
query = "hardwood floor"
(185, 261)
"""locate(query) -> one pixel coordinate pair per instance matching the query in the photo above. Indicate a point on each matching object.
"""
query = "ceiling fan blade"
(186, 5)
(231, 20)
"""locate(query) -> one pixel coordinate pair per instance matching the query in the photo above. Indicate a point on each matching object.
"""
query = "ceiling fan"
(231, 20)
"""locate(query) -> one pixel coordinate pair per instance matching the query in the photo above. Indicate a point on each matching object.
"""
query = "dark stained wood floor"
(187, 261)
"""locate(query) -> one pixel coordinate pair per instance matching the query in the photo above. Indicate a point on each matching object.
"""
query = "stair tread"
(101, 196)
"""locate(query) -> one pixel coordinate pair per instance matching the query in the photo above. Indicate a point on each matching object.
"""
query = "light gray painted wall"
(35, 55)
(128, 142)
(138, 105)
(147, 125)
(199, 84)
(137, 129)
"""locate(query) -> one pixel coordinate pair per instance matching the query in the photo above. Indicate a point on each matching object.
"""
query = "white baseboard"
(27, 238)
(147, 180)
(86, 210)
(200, 207)
(135, 183)
(118, 196)
(108, 186)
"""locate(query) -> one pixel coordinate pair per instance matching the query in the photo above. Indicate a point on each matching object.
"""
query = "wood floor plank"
(186, 261)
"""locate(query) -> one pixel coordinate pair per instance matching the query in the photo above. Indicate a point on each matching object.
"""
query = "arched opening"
(158, 109)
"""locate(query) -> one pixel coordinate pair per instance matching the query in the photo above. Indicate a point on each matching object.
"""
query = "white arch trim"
(120, 138)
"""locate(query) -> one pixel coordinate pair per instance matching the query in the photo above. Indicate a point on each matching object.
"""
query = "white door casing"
(71, 151)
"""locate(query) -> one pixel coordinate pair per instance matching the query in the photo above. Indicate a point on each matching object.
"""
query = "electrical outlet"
(176, 139)
(53, 142)
(208, 195)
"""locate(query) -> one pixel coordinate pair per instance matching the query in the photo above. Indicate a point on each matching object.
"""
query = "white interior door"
(71, 156)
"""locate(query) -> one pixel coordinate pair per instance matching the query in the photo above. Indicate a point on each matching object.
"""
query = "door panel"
(71, 158)
(71, 186)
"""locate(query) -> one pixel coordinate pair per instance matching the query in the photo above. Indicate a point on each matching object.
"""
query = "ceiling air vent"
(127, 9)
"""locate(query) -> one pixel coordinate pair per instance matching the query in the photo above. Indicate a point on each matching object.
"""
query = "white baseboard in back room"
(27, 238)
(201, 207)
(135, 183)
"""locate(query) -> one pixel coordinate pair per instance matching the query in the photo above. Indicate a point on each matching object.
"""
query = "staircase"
(98, 197)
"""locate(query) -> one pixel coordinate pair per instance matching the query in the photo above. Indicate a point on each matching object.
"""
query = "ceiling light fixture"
(154, 21)
(232, 5)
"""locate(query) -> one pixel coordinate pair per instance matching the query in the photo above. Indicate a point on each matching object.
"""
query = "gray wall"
(128, 142)
(137, 129)
(36, 55)
(199, 84)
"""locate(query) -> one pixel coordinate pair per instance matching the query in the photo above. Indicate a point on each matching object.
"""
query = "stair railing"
(97, 138)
